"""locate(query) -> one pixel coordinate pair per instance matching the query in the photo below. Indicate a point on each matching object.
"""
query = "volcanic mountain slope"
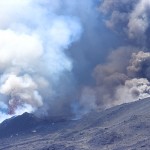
(119, 128)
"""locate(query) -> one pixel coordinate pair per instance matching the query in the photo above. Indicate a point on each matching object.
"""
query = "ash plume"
(124, 75)
(130, 16)
(75, 56)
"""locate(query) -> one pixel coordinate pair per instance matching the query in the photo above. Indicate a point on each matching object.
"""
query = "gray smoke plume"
(130, 16)
(124, 76)
(67, 57)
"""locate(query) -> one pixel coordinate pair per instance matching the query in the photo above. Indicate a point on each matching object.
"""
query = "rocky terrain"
(119, 128)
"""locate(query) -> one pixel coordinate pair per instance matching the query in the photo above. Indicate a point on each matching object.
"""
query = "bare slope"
(122, 127)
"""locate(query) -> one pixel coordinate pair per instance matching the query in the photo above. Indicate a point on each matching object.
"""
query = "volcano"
(122, 127)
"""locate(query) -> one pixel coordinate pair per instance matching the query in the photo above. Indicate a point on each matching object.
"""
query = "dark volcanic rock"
(59, 147)
(105, 139)
(26, 123)
(119, 128)
(19, 124)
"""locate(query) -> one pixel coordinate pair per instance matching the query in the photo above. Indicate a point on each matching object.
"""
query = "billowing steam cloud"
(72, 55)
(33, 40)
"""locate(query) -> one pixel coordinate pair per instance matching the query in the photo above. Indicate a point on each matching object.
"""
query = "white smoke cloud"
(33, 40)
(18, 49)
(133, 90)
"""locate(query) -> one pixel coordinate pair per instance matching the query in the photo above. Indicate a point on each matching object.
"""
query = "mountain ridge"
(126, 126)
